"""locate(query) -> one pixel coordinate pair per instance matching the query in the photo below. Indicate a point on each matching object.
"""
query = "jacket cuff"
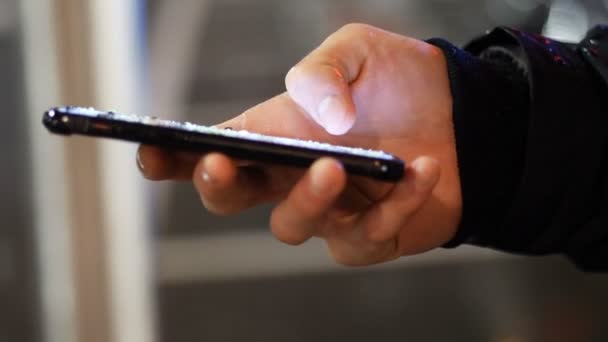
(490, 113)
(566, 130)
(558, 189)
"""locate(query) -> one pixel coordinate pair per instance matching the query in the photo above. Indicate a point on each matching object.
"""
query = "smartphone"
(186, 136)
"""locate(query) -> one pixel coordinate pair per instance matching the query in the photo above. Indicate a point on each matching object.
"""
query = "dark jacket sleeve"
(531, 125)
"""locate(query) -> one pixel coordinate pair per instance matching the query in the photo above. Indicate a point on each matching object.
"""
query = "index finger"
(279, 116)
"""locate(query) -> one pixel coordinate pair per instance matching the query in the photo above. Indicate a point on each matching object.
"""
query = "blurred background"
(91, 252)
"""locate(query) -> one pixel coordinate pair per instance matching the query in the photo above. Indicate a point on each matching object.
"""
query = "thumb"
(320, 83)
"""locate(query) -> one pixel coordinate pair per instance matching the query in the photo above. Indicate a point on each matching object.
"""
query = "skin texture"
(361, 87)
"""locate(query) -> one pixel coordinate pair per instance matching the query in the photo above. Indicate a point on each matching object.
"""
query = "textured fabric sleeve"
(558, 202)
(490, 110)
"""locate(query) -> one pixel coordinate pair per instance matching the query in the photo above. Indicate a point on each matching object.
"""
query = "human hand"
(366, 87)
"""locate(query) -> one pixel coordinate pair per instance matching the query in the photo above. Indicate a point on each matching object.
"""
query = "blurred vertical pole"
(91, 216)
(117, 72)
(52, 217)
(88, 236)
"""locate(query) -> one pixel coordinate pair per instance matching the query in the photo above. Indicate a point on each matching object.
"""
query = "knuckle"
(313, 72)
(356, 28)
(294, 75)
(350, 31)
(290, 74)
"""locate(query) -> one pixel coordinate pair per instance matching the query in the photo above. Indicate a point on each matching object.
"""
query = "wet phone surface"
(186, 136)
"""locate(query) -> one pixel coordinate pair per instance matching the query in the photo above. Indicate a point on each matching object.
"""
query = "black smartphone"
(186, 136)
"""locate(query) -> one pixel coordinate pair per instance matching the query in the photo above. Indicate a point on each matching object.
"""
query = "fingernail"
(140, 165)
(205, 175)
(207, 178)
(426, 171)
(332, 115)
(319, 182)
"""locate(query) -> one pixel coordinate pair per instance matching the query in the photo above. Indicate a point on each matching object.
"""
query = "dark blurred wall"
(18, 291)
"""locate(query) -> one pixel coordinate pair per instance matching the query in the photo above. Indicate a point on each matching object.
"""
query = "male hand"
(361, 87)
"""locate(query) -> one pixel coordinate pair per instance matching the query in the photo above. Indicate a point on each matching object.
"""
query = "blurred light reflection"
(567, 21)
